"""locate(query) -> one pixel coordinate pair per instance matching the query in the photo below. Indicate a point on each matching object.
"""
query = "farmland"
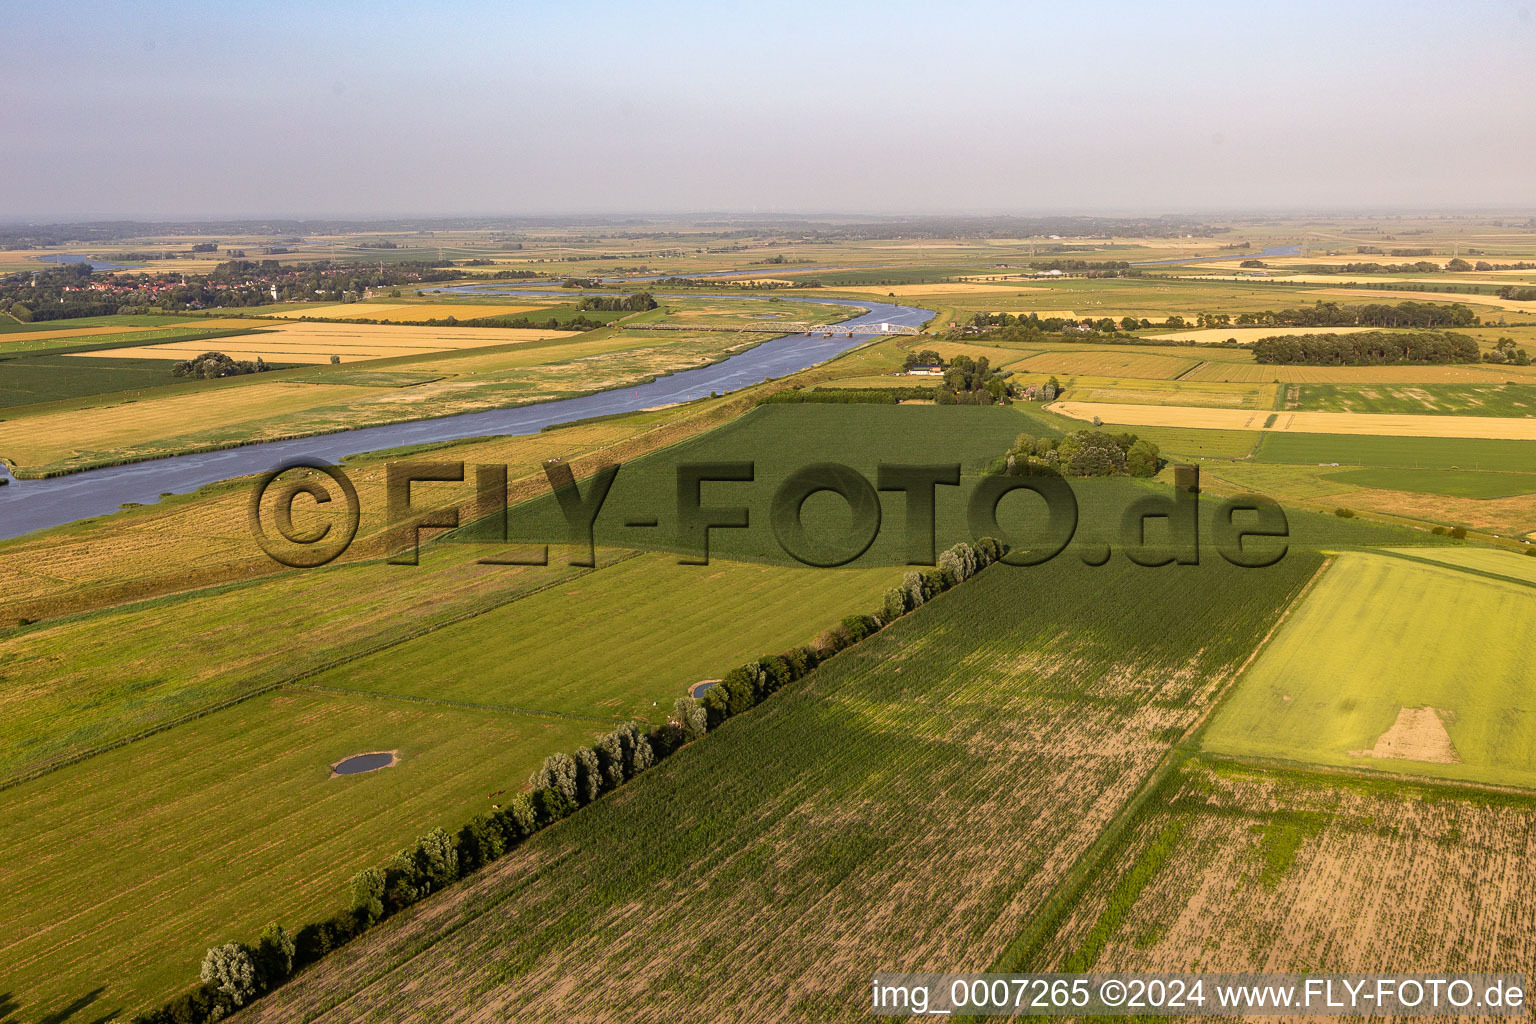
(985, 737)
(1237, 869)
(562, 666)
(1398, 665)
(1193, 767)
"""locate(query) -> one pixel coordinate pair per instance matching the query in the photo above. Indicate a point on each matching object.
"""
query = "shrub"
(550, 805)
(1344, 513)
(1438, 531)
(479, 843)
(1459, 532)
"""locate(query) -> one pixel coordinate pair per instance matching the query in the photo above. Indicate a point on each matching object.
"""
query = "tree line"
(1367, 348)
(235, 974)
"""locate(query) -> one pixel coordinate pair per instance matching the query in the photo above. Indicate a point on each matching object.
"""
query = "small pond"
(359, 763)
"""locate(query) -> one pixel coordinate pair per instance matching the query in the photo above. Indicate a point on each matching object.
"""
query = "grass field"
(986, 737)
(1396, 665)
(221, 825)
(1398, 452)
(591, 653)
(592, 646)
(81, 683)
(1235, 869)
(1443, 399)
(1454, 483)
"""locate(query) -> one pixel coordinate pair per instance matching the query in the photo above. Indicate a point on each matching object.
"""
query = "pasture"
(1242, 335)
(988, 736)
(1397, 665)
(1259, 373)
(229, 822)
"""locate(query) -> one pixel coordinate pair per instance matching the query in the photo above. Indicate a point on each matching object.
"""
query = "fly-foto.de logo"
(1155, 528)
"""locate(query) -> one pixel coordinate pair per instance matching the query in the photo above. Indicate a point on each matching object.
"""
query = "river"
(27, 505)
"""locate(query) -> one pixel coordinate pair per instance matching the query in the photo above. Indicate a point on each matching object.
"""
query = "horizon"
(138, 112)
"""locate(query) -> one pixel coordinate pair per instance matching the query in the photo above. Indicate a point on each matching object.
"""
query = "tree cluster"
(210, 365)
(1504, 351)
(1083, 453)
(636, 303)
(1367, 348)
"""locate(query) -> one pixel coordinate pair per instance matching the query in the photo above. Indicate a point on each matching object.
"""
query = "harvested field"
(1237, 869)
(1301, 422)
(1244, 335)
(317, 342)
(1257, 373)
(74, 332)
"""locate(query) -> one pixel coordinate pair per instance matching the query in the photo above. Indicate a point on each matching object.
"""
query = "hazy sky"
(181, 110)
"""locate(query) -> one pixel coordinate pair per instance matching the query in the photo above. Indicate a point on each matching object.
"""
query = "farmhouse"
(926, 370)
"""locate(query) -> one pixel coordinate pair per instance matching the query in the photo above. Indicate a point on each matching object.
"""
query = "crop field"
(318, 342)
(221, 825)
(1398, 452)
(1234, 869)
(1126, 363)
(1444, 399)
(1165, 392)
(985, 737)
(1398, 665)
(257, 409)
(1451, 482)
(1486, 427)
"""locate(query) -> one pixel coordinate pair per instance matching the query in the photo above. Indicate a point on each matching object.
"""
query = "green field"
(1508, 400)
(1455, 483)
(79, 683)
(1379, 634)
(985, 737)
(1398, 452)
(227, 823)
(593, 646)
(472, 706)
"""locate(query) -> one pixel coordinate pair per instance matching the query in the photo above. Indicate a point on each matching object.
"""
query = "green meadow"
(1378, 634)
